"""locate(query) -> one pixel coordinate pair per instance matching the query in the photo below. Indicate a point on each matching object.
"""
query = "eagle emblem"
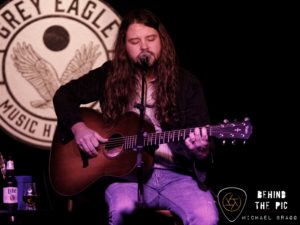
(42, 75)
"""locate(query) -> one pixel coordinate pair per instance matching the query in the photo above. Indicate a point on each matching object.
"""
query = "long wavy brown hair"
(121, 83)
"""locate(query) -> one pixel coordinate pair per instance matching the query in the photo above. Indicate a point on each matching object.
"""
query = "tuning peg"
(225, 121)
(246, 119)
(223, 142)
(233, 142)
(244, 142)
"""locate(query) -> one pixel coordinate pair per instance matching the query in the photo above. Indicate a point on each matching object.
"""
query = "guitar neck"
(237, 130)
(151, 139)
(167, 136)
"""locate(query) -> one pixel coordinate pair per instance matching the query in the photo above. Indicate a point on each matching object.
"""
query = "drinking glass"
(30, 196)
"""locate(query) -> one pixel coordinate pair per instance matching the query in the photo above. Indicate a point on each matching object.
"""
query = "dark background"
(242, 54)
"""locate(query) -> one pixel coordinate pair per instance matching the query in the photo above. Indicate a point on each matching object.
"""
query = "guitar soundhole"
(114, 146)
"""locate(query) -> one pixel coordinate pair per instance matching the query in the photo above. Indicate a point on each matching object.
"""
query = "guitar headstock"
(234, 130)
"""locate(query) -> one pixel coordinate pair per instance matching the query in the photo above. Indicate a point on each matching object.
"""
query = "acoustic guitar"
(72, 171)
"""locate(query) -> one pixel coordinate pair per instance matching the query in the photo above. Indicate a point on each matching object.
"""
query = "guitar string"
(152, 137)
(155, 137)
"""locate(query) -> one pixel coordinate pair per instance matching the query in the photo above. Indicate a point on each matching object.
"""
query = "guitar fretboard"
(151, 139)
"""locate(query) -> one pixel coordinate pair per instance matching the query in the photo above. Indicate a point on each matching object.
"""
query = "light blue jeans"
(164, 190)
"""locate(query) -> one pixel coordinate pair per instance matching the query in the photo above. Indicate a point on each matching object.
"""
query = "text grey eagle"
(43, 76)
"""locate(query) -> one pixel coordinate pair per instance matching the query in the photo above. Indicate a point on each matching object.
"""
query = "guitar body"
(71, 171)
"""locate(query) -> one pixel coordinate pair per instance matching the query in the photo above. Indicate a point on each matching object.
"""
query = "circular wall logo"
(44, 44)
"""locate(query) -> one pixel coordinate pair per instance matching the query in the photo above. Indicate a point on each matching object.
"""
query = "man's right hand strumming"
(87, 139)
